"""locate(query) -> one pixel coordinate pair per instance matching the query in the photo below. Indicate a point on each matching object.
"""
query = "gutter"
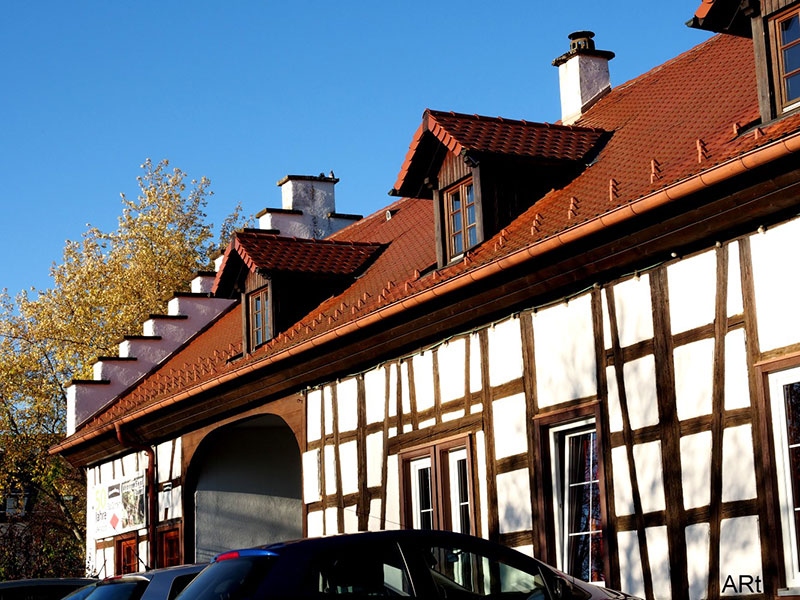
(726, 170)
(152, 499)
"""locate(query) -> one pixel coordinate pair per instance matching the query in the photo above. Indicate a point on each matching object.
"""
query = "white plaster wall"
(694, 377)
(374, 458)
(392, 493)
(330, 469)
(392, 390)
(697, 541)
(640, 391)
(505, 352)
(315, 523)
(738, 470)
(328, 407)
(527, 549)
(514, 501)
(347, 403)
(374, 522)
(692, 291)
(735, 304)
(314, 415)
(737, 390)
(564, 350)
(170, 504)
(451, 356)
(164, 461)
(647, 458)
(348, 455)
(350, 519)
(480, 451)
(375, 394)
(739, 550)
(696, 469)
(452, 416)
(581, 79)
(623, 491)
(475, 382)
(423, 380)
(427, 423)
(510, 431)
(332, 521)
(614, 407)
(658, 552)
(776, 294)
(634, 311)
(630, 563)
(311, 476)
(405, 382)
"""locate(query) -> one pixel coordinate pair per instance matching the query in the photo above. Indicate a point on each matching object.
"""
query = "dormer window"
(259, 318)
(462, 218)
(786, 36)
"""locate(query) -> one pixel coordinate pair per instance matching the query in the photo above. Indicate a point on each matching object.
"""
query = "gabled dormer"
(482, 172)
(279, 279)
(774, 26)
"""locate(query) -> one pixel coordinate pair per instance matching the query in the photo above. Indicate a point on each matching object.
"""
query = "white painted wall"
(697, 542)
(647, 458)
(696, 469)
(451, 356)
(423, 380)
(738, 471)
(514, 501)
(633, 310)
(505, 352)
(692, 291)
(640, 390)
(347, 403)
(658, 552)
(739, 549)
(630, 563)
(375, 394)
(510, 430)
(694, 378)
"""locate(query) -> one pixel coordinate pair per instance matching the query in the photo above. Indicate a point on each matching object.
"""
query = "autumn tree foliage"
(105, 287)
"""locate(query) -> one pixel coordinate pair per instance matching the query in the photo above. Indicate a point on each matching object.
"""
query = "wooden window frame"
(543, 425)
(119, 542)
(779, 73)
(262, 294)
(438, 453)
(446, 194)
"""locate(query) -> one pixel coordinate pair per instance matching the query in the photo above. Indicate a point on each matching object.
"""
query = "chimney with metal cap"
(583, 76)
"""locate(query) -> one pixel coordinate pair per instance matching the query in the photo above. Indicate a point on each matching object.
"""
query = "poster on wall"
(119, 507)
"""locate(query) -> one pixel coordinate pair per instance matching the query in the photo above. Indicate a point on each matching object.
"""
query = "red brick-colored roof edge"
(271, 252)
(460, 133)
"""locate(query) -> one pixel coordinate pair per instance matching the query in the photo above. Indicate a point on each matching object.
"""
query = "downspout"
(152, 498)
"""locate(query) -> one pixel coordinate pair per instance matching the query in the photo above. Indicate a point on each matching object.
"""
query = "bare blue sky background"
(246, 92)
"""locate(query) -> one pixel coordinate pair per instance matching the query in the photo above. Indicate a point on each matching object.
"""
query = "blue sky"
(246, 92)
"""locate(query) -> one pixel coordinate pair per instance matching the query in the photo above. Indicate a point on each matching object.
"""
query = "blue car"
(427, 564)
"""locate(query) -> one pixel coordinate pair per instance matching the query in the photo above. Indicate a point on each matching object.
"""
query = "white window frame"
(415, 466)
(558, 474)
(456, 502)
(776, 381)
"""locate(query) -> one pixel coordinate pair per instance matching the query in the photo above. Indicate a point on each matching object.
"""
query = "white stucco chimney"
(582, 75)
(308, 208)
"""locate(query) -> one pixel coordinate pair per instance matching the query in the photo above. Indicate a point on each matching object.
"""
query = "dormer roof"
(724, 16)
(463, 134)
(260, 250)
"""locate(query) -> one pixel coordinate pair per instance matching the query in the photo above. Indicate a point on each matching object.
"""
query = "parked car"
(41, 589)
(158, 584)
(426, 564)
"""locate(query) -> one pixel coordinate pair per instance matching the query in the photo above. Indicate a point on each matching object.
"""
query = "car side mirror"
(562, 589)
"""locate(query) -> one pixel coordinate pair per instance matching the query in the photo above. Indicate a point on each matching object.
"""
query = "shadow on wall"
(249, 487)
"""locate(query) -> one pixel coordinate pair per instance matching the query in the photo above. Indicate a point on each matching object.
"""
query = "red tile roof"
(270, 252)
(462, 133)
(678, 120)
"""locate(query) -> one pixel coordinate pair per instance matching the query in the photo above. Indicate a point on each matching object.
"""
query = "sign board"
(119, 507)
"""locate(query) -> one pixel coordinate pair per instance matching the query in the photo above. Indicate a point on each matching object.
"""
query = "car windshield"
(81, 593)
(234, 579)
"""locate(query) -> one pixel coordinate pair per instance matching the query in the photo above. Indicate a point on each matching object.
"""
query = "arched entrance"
(245, 487)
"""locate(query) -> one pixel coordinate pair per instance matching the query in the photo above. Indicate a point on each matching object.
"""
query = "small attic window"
(259, 318)
(785, 30)
(462, 224)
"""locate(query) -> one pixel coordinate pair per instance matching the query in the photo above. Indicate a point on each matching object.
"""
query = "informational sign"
(119, 507)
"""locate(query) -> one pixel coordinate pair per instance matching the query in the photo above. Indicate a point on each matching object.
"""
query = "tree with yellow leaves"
(105, 287)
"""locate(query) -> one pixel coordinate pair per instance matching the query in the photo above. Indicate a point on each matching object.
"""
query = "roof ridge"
(312, 241)
(505, 121)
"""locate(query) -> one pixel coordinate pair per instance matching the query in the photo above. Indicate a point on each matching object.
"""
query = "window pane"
(470, 196)
(793, 87)
(580, 467)
(579, 550)
(580, 508)
(791, 58)
(459, 491)
(421, 494)
(471, 214)
(794, 460)
(458, 243)
(790, 30)
(597, 558)
(791, 394)
(472, 236)
(363, 572)
(456, 221)
(424, 477)
(455, 201)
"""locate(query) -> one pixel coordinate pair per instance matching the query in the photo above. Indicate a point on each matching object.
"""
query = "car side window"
(468, 572)
(373, 571)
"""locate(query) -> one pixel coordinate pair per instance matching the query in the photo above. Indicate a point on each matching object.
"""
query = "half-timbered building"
(578, 339)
